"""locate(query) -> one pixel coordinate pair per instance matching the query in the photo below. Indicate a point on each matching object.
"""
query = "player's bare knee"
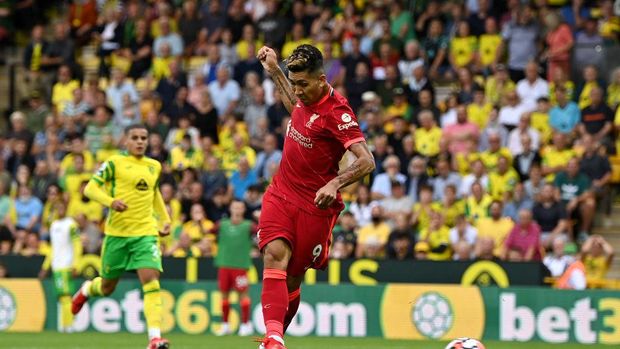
(276, 255)
(107, 289)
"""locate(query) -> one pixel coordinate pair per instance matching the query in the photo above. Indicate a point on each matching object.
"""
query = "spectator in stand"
(401, 240)
(515, 201)
(425, 102)
(344, 237)
(458, 133)
(560, 78)
(551, 215)
(428, 136)
(498, 85)
(516, 136)
(479, 109)
(527, 158)
(521, 37)
(463, 47)
(268, 158)
(576, 193)
(397, 203)
(445, 177)
(241, 179)
(534, 183)
(495, 227)
(490, 156)
(556, 156)
(463, 231)
(559, 40)
(62, 91)
(558, 261)
(418, 177)
(613, 90)
(597, 119)
(437, 236)
(590, 81)
(597, 255)
(511, 112)
(523, 242)
(435, 46)
(166, 35)
(597, 168)
(493, 126)
(381, 184)
(212, 178)
(477, 174)
(490, 41)
(225, 92)
(373, 237)
(28, 210)
(361, 207)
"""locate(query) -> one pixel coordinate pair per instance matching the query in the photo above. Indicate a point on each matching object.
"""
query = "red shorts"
(308, 235)
(232, 279)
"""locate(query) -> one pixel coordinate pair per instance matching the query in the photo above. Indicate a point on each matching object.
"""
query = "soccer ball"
(465, 343)
(432, 315)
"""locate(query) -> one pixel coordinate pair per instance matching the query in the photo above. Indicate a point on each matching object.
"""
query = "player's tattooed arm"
(363, 165)
(269, 60)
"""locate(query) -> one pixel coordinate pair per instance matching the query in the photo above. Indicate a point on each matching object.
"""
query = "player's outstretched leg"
(274, 296)
(90, 288)
(152, 314)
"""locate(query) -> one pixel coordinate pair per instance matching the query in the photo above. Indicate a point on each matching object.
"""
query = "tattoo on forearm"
(353, 173)
(288, 97)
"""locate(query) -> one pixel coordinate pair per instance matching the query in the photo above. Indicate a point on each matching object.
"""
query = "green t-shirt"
(234, 245)
(571, 188)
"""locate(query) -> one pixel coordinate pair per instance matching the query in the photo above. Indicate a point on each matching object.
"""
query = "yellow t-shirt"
(63, 93)
(427, 141)
(66, 165)
(596, 267)
(613, 95)
(161, 67)
(464, 161)
(494, 92)
(570, 91)
(497, 230)
(479, 114)
(379, 232)
(175, 210)
(436, 239)
(134, 181)
(243, 47)
(463, 50)
(424, 219)
(554, 158)
(71, 183)
(290, 46)
(450, 213)
(180, 160)
(475, 210)
(91, 209)
(231, 158)
(104, 154)
(500, 184)
(490, 159)
(489, 43)
(584, 97)
(196, 232)
(540, 122)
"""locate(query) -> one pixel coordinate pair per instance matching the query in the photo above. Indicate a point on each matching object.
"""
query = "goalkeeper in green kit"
(233, 261)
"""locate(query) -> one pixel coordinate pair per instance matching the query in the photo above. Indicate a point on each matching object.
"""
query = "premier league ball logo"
(8, 309)
(432, 315)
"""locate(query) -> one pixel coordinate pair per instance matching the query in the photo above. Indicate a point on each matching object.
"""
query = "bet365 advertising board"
(398, 311)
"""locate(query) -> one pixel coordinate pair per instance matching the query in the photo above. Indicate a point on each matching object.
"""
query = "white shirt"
(529, 93)
(448, 118)
(514, 140)
(222, 96)
(465, 188)
(509, 115)
(383, 184)
(62, 234)
(470, 236)
(556, 265)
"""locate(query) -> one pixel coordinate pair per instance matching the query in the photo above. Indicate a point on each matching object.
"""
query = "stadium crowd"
(510, 164)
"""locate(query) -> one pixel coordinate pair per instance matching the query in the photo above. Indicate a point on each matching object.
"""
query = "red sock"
(275, 300)
(293, 304)
(245, 310)
(225, 310)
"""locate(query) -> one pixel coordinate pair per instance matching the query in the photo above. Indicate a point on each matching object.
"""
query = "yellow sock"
(95, 288)
(152, 307)
(66, 317)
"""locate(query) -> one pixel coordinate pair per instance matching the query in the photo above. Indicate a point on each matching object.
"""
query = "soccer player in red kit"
(301, 205)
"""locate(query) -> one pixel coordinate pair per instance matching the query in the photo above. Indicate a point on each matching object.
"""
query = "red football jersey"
(317, 137)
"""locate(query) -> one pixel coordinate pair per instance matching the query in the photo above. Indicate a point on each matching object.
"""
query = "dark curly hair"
(305, 58)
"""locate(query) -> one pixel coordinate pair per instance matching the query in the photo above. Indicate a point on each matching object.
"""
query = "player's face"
(137, 139)
(308, 87)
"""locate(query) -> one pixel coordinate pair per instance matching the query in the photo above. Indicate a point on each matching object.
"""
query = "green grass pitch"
(91, 340)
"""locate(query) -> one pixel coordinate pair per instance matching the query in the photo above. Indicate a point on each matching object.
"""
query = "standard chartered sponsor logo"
(432, 315)
(8, 309)
(298, 137)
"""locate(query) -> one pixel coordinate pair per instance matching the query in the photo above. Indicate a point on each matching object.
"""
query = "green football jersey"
(234, 245)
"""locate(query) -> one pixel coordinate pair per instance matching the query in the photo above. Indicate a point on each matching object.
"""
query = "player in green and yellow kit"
(233, 262)
(128, 184)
